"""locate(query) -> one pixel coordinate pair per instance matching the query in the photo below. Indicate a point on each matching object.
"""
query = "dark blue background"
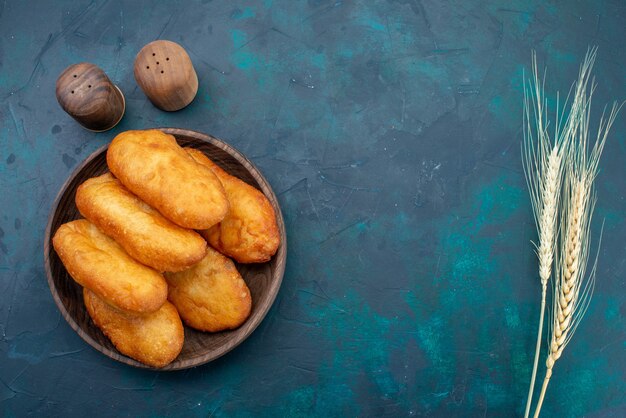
(390, 131)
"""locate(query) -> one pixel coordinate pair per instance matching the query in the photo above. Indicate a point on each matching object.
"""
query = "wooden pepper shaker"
(166, 75)
(87, 94)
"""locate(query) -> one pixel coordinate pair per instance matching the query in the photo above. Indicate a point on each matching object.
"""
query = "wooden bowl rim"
(255, 320)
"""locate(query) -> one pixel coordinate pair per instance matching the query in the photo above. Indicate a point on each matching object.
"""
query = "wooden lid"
(165, 73)
(87, 94)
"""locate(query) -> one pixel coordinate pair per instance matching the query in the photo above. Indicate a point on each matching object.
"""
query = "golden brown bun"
(154, 338)
(153, 166)
(142, 231)
(210, 296)
(248, 233)
(98, 263)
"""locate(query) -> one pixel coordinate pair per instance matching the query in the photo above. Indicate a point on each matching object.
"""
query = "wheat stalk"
(572, 288)
(543, 168)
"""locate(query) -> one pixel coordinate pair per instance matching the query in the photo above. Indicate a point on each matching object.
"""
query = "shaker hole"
(72, 91)
(75, 76)
(161, 71)
(153, 54)
(167, 59)
(157, 62)
(147, 67)
(89, 86)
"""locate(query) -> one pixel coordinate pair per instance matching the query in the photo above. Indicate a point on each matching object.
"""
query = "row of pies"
(141, 252)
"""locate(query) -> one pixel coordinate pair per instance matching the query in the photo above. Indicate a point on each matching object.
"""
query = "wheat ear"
(572, 289)
(543, 170)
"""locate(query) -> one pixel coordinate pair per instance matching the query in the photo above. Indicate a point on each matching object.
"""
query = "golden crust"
(210, 296)
(154, 338)
(248, 233)
(98, 263)
(142, 231)
(153, 166)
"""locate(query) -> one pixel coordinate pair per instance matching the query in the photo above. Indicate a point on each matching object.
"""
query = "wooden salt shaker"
(87, 94)
(166, 75)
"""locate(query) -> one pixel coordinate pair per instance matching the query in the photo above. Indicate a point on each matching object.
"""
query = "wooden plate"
(263, 279)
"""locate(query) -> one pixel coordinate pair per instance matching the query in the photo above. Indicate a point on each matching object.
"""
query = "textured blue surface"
(390, 131)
